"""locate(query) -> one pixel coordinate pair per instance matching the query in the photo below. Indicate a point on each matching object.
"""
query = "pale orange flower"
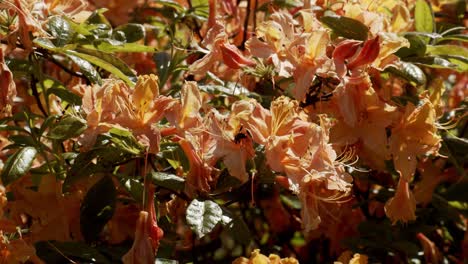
(185, 113)
(52, 213)
(137, 109)
(198, 146)
(258, 258)
(373, 116)
(233, 143)
(147, 235)
(7, 87)
(415, 135)
(402, 206)
(219, 50)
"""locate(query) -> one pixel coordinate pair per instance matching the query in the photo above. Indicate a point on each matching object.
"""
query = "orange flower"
(233, 143)
(373, 116)
(7, 87)
(431, 252)
(416, 134)
(147, 236)
(402, 206)
(220, 49)
(257, 258)
(114, 104)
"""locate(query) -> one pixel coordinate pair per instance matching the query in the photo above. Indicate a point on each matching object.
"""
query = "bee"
(241, 135)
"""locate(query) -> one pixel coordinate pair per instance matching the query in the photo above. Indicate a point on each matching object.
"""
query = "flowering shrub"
(209, 131)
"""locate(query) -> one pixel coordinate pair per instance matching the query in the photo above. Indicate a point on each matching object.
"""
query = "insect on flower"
(241, 135)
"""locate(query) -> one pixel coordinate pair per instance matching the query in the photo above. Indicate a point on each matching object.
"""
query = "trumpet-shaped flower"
(114, 104)
(219, 50)
(402, 206)
(415, 135)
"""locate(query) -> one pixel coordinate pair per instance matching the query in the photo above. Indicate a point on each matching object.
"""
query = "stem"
(246, 25)
(36, 95)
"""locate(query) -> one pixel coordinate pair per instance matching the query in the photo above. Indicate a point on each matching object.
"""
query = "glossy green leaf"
(409, 72)
(417, 47)
(203, 216)
(69, 127)
(200, 8)
(97, 208)
(109, 46)
(457, 37)
(239, 229)
(87, 68)
(132, 32)
(125, 141)
(346, 27)
(172, 4)
(53, 86)
(432, 62)
(66, 95)
(168, 181)
(46, 44)
(61, 30)
(447, 50)
(103, 62)
(424, 20)
(18, 164)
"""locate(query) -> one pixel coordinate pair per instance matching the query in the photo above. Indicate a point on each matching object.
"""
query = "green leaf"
(457, 192)
(457, 37)
(165, 261)
(201, 8)
(97, 208)
(409, 72)
(203, 216)
(424, 20)
(346, 27)
(97, 160)
(168, 181)
(18, 164)
(410, 249)
(110, 45)
(417, 47)
(172, 4)
(66, 95)
(60, 30)
(69, 127)
(46, 44)
(110, 64)
(452, 50)
(132, 32)
(22, 140)
(432, 62)
(54, 252)
(239, 230)
(124, 140)
(87, 68)
(135, 188)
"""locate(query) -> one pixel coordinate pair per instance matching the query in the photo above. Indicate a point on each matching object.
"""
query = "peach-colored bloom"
(402, 206)
(415, 135)
(7, 87)
(220, 49)
(137, 109)
(257, 258)
(233, 143)
(147, 236)
(373, 116)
